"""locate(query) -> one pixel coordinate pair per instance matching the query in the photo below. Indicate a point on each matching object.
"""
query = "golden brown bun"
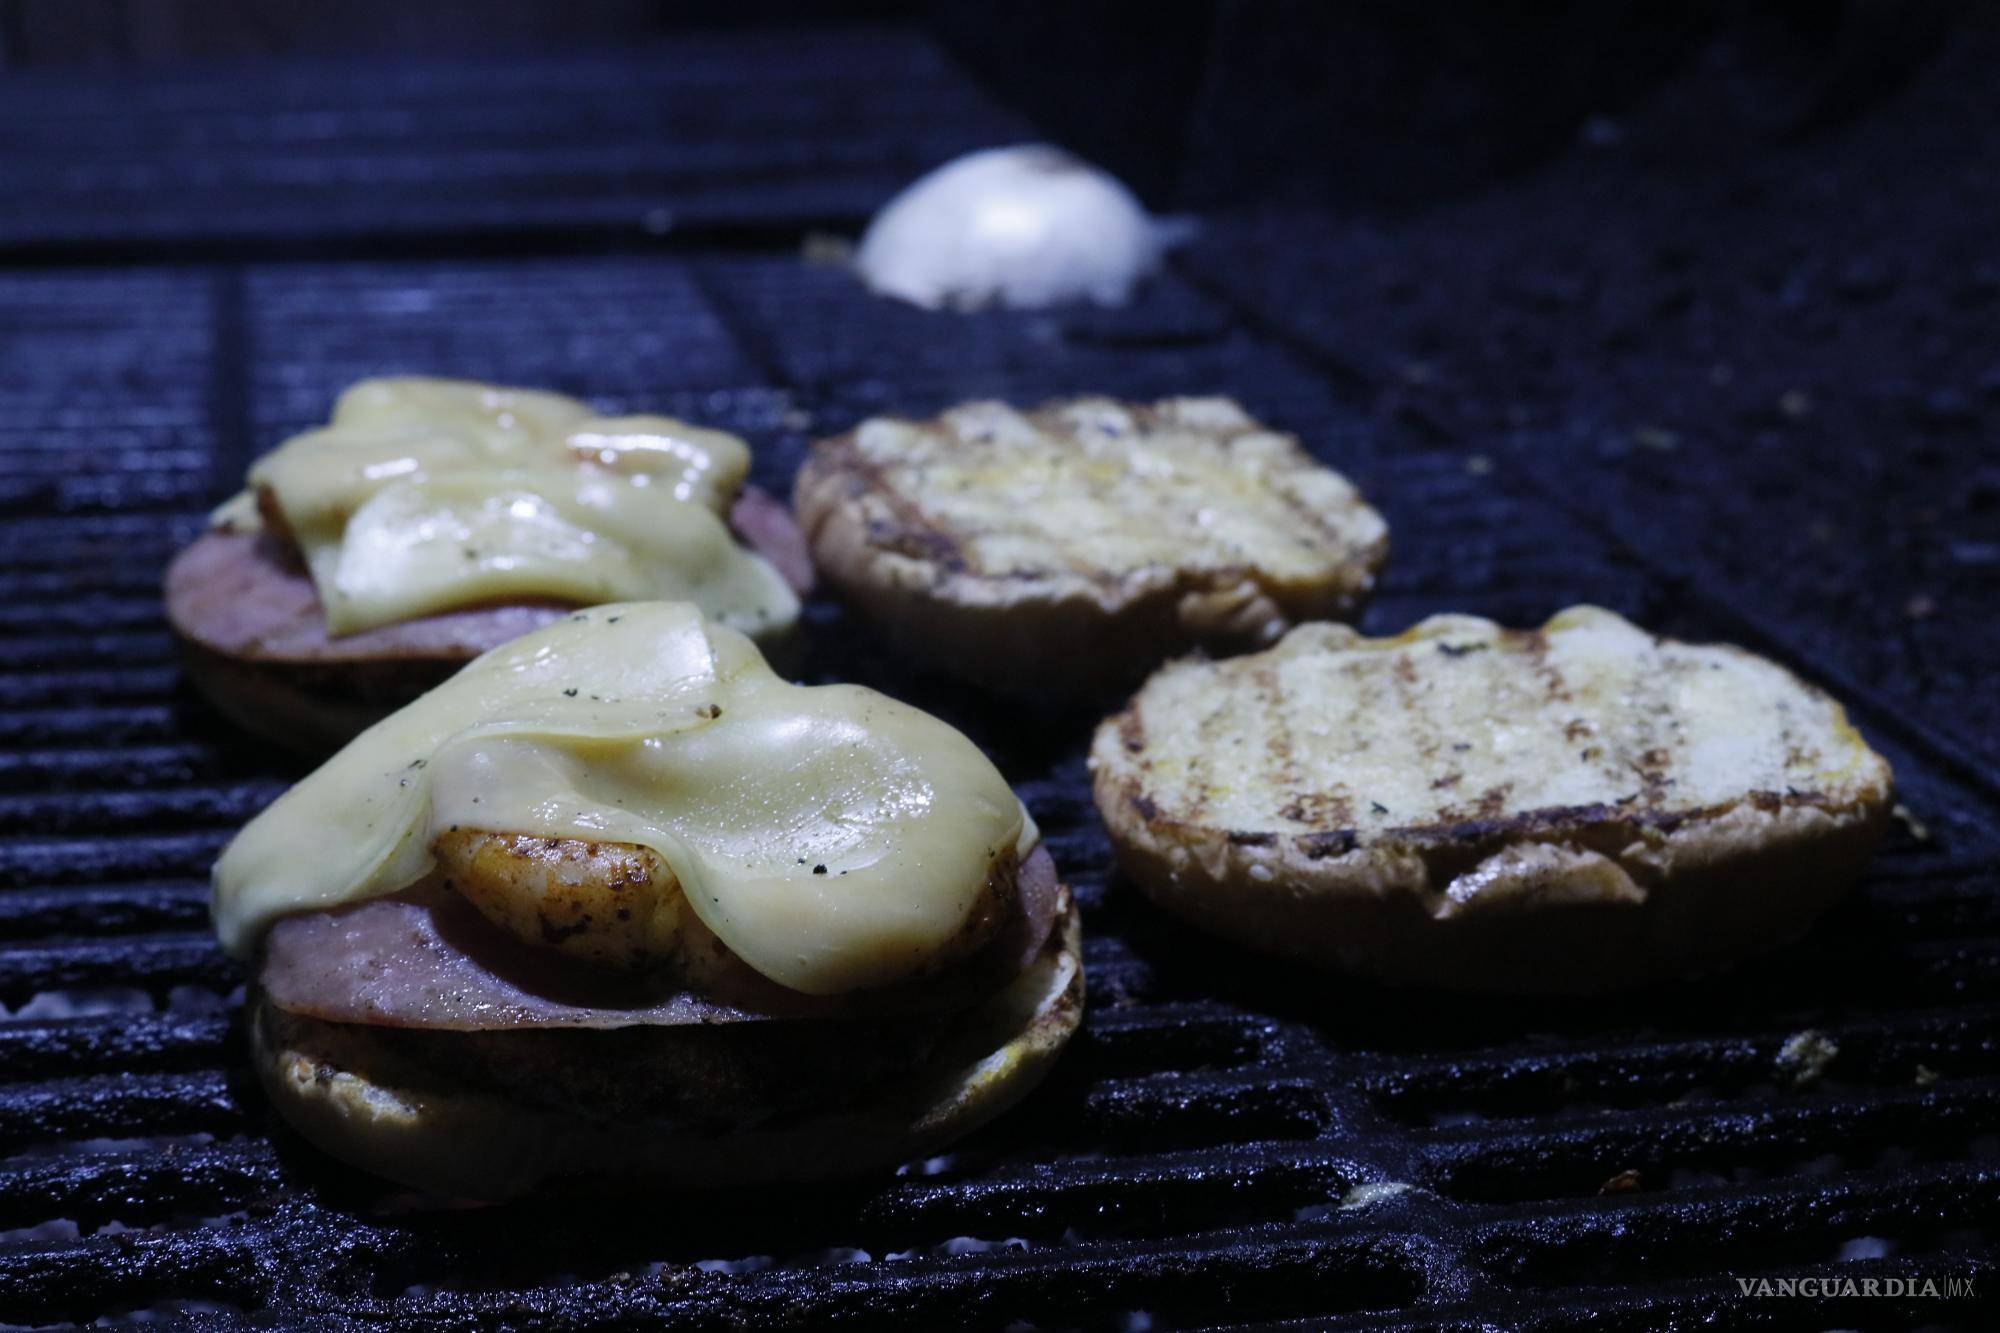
(1043, 618)
(253, 636)
(347, 1092)
(1428, 868)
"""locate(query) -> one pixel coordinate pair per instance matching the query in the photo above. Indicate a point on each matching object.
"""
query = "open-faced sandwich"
(1572, 808)
(615, 906)
(431, 520)
(1070, 549)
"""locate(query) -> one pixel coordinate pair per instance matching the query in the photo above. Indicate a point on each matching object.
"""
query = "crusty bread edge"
(475, 1144)
(1580, 903)
(309, 709)
(1063, 637)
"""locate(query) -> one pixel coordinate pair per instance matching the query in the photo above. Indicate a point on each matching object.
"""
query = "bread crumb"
(1803, 1059)
(1625, 1182)
(827, 250)
(1361, 1196)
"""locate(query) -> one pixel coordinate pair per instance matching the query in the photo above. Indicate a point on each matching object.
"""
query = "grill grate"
(1226, 1143)
(733, 132)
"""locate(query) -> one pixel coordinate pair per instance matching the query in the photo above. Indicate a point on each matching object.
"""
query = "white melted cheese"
(1091, 487)
(1458, 719)
(424, 495)
(832, 837)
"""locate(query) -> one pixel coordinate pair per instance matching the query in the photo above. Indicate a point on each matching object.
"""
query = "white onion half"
(1027, 226)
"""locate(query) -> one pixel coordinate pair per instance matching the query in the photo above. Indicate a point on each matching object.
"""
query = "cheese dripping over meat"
(833, 838)
(425, 495)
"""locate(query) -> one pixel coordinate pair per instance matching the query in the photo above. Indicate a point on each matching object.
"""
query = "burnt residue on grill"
(1228, 1141)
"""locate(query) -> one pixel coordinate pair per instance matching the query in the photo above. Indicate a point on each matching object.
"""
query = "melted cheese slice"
(1107, 490)
(425, 495)
(1460, 720)
(454, 538)
(833, 838)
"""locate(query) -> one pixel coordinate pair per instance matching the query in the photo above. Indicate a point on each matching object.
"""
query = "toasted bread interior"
(1061, 549)
(1398, 805)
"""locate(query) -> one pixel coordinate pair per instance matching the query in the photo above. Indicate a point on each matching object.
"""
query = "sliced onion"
(1028, 226)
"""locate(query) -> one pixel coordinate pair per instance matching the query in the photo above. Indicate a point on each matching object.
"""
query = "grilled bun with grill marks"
(1069, 549)
(1574, 808)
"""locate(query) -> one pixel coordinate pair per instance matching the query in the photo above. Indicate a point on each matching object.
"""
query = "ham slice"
(427, 959)
(241, 596)
(764, 523)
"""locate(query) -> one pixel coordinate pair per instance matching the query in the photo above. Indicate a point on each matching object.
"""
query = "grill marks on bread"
(1100, 491)
(1068, 549)
(1462, 723)
(1574, 808)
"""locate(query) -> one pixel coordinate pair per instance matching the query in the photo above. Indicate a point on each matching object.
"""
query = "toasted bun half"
(1070, 549)
(351, 1093)
(1576, 808)
(253, 637)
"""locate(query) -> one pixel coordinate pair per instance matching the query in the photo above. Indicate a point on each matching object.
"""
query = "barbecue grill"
(1576, 387)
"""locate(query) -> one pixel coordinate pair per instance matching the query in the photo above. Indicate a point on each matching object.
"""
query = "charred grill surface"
(1535, 404)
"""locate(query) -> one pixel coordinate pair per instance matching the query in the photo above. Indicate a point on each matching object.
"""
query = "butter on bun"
(1574, 808)
(617, 907)
(431, 520)
(1070, 549)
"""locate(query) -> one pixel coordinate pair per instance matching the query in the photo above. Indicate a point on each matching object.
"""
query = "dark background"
(1198, 103)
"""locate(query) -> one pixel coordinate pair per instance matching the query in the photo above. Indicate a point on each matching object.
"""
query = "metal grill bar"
(777, 130)
(102, 909)
(120, 1042)
(122, 1105)
(151, 962)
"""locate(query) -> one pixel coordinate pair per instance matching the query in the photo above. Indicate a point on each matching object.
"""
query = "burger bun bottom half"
(345, 1090)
